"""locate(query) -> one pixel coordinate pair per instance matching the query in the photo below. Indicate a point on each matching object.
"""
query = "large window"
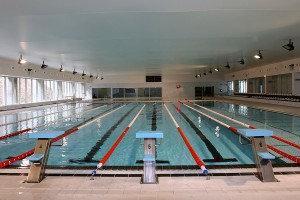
(14, 90)
(230, 88)
(2, 91)
(242, 86)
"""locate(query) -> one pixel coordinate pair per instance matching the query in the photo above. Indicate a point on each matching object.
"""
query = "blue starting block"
(35, 158)
(150, 143)
(40, 157)
(262, 156)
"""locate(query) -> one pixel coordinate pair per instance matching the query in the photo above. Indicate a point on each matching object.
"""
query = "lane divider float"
(68, 132)
(233, 129)
(252, 127)
(114, 146)
(197, 159)
(51, 122)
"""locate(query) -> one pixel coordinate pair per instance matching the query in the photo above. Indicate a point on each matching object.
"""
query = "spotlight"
(83, 74)
(74, 72)
(259, 55)
(61, 69)
(197, 75)
(217, 69)
(227, 66)
(210, 71)
(97, 77)
(43, 65)
(242, 61)
(21, 60)
(91, 76)
(289, 46)
(102, 78)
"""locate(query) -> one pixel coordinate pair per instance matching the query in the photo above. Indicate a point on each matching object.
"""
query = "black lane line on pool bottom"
(214, 152)
(89, 156)
(153, 128)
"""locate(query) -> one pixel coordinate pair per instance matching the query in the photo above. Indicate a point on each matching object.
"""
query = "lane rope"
(197, 159)
(114, 146)
(284, 154)
(68, 132)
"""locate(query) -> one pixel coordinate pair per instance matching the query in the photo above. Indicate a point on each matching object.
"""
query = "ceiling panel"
(138, 37)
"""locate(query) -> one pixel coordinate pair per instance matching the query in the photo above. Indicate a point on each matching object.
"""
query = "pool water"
(88, 145)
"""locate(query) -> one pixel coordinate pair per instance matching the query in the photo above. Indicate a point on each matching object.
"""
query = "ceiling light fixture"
(43, 65)
(259, 55)
(21, 60)
(83, 74)
(91, 76)
(227, 66)
(102, 78)
(197, 75)
(217, 69)
(61, 69)
(74, 72)
(289, 46)
(210, 71)
(242, 61)
(97, 77)
(204, 73)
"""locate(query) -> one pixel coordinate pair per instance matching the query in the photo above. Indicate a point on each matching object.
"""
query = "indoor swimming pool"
(85, 147)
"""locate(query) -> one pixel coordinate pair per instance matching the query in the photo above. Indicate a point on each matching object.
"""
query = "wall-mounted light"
(204, 73)
(259, 55)
(289, 46)
(83, 74)
(102, 78)
(197, 75)
(210, 71)
(97, 77)
(43, 65)
(74, 72)
(21, 60)
(91, 76)
(61, 69)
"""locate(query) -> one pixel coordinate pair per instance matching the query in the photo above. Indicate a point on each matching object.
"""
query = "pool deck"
(220, 187)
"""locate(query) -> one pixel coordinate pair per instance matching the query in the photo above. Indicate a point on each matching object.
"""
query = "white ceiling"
(112, 37)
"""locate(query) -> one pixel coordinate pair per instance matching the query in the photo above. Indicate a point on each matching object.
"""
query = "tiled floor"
(219, 188)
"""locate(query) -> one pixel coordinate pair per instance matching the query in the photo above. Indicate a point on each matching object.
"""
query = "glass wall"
(127, 93)
(230, 88)
(242, 86)
(256, 85)
(1, 91)
(15, 90)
